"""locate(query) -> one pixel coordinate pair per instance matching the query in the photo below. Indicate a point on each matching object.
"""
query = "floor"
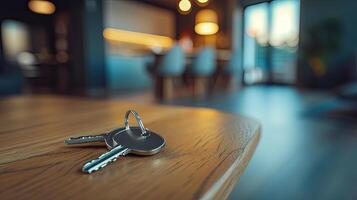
(308, 148)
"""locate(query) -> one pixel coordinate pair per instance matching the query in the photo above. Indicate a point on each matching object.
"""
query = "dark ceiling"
(169, 4)
(172, 4)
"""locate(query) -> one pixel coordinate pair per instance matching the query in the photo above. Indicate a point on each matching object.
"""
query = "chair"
(202, 69)
(171, 66)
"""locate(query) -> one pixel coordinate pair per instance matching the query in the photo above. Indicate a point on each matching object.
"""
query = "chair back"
(173, 63)
(205, 63)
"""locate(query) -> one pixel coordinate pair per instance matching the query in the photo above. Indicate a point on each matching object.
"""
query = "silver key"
(135, 140)
(105, 137)
(130, 141)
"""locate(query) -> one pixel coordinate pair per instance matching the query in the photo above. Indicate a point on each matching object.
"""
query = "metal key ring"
(138, 120)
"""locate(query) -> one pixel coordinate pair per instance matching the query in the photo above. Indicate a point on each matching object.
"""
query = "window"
(271, 33)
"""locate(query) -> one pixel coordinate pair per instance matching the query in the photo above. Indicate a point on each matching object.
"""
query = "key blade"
(105, 159)
(85, 139)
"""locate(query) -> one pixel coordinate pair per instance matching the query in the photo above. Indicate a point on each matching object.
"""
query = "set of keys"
(120, 142)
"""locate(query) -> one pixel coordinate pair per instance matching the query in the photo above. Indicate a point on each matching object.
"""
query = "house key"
(131, 141)
(105, 137)
(135, 140)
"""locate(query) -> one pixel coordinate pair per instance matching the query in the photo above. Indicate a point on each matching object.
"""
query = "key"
(136, 140)
(132, 140)
(105, 137)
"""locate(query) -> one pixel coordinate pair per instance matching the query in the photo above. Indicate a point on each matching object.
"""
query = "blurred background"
(292, 64)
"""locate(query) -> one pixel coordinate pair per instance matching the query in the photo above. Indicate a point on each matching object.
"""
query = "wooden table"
(205, 155)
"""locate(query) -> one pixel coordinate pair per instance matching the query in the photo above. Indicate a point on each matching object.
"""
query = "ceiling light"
(206, 22)
(42, 7)
(184, 6)
(202, 2)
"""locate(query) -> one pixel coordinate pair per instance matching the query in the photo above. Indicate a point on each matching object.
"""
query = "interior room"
(250, 99)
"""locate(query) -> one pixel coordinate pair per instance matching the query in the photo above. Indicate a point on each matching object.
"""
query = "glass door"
(271, 33)
(255, 43)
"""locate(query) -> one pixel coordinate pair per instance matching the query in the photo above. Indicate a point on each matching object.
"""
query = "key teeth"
(89, 167)
(84, 139)
(90, 170)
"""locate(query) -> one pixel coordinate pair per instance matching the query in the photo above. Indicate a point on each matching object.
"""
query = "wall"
(139, 17)
(237, 36)
(94, 46)
(336, 65)
(128, 72)
(86, 47)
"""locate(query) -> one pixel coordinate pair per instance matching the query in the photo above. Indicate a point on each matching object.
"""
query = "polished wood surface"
(205, 155)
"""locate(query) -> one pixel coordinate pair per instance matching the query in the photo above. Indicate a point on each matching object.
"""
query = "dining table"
(206, 151)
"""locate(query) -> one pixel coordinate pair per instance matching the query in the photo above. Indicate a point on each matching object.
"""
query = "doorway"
(270, 42)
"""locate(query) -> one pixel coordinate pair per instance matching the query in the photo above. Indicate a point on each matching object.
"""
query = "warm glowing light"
(257, 24)
(42, 7)
(202, 1)
(206, 22)
(150, 40)
(285, 22)
(206, 28)
(184, 5)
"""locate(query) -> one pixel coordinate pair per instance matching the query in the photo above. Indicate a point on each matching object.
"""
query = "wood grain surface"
(205, 154)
